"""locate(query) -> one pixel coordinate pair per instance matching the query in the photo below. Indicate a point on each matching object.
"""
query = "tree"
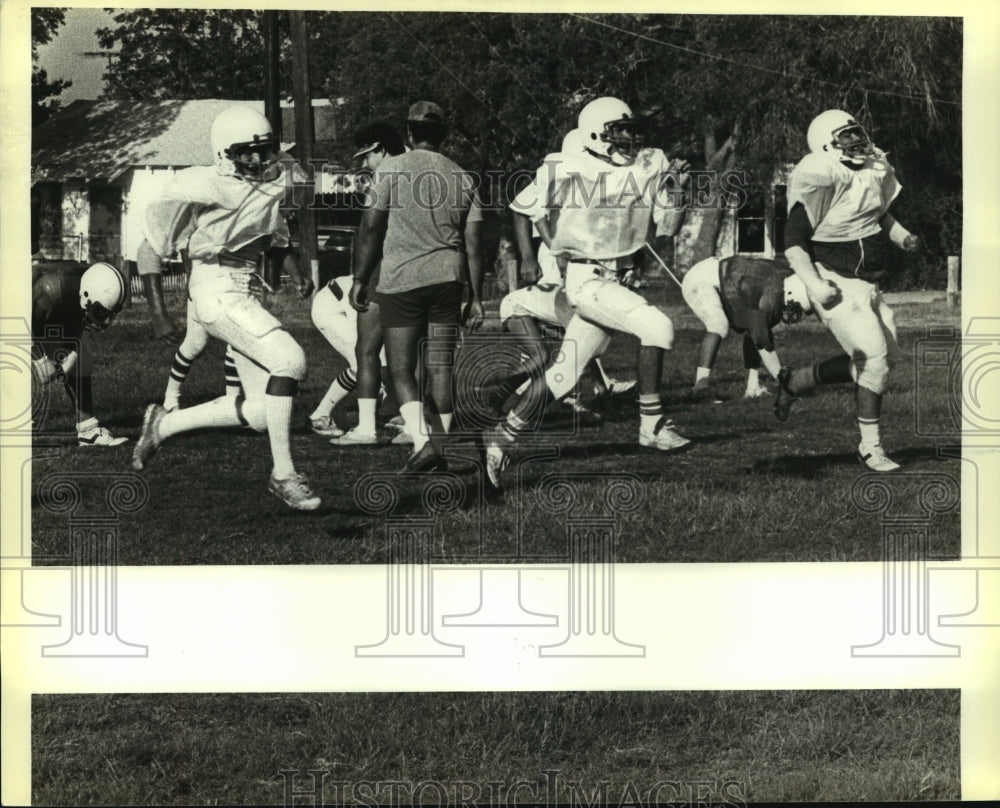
(185, 54)
(44, 24)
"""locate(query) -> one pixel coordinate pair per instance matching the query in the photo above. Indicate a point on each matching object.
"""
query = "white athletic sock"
(342, 385)
(650, 411)
(413, 417)
(869, 432)
(702, 373)
(218, 412)
(278, 411)
(366, 416)
(446, 418)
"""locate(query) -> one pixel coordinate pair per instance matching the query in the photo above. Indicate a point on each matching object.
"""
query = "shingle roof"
(104, 138)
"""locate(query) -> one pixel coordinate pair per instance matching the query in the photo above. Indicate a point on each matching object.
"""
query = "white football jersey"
(604, 211)
(211, 214)
(843, 204)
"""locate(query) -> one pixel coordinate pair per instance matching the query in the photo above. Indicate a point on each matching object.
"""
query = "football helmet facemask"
(840, 136)
(610, 130)
(102, 292)
(244, 145)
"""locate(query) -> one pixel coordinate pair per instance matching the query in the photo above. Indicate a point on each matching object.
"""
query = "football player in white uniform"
(746, 295)
(608, 196)
(839, 196)
(229, 213)
(544, 301)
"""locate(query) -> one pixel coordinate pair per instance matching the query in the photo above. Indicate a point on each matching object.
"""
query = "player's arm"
(898, 234)
(522, 234)
(798, 232)
(473, 314)
(150, 265)
(367, 248)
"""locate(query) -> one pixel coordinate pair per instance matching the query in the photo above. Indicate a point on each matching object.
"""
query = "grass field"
(740, 746)
(750, 488)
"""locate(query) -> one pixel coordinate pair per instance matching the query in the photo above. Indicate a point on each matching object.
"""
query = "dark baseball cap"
(425, 112)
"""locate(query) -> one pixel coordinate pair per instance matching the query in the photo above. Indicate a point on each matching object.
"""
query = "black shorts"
(437, 303)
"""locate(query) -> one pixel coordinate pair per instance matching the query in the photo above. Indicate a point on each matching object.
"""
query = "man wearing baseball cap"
(426, 221)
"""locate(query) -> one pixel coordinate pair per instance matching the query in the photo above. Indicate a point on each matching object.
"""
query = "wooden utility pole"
(272, 73)
(304, 141)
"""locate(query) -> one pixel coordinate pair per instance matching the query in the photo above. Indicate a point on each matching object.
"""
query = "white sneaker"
(325, 426)
(295, 492)
(496, 458)
(875, 458)
(98, 436)
(149, 439)
(662, 437)
(354, 438)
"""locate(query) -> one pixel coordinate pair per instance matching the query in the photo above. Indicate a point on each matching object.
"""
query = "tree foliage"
(720, 90)
(45, 22)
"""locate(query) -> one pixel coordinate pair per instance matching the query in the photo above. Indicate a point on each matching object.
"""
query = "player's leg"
(191, 347)
(234, 387)
(617, 308)
(335, 320)
(369, 354)
(444, 316)
(580, 344)
(700, 290)
(79, 385)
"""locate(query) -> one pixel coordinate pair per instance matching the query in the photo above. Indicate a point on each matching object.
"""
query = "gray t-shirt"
(429, 199)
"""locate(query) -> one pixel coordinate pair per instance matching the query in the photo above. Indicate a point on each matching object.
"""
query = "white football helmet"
(572, 142)
(609, 130)
(244, 145)
(839, 135)
(102, 292)
(797, 303)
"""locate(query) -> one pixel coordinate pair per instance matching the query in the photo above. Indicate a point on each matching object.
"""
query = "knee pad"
(285, 356)
(871, 372)
(651, 326)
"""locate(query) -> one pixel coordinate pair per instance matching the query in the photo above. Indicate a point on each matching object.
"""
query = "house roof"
(105, 138)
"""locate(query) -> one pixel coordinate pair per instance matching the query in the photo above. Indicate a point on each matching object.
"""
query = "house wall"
(75, 222)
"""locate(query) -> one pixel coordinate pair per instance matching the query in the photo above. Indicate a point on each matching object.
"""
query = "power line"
(781, 73)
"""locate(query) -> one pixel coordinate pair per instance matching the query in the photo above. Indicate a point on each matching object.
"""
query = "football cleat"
(701, 391)
(495, 456)
(354, 438)
(785, 398)
(617, 388)
(396, 422)
(427, 459)
(295, 492)
(662, 437)
(402, 438)
(755, 392)
(98, 436)
(325, 426)
(149, 438)
(874, 457)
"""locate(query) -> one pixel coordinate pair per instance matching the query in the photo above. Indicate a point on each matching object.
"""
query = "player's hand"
(530, 270)
(358, 296)
(473, 315)
(44, 370)
(911, 243)
(824, 293)
(165, 329)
